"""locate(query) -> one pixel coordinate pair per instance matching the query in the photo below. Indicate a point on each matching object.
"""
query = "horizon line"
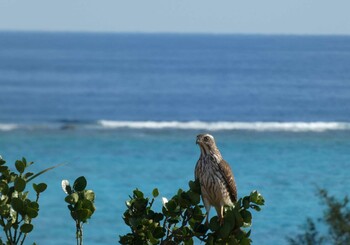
(170, 33)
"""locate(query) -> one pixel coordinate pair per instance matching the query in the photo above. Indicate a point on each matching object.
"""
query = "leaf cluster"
(80, 204)
(336, 218)
(181, 219)
(16, 209)
(80, 201)
(143, 221)
(237, 220)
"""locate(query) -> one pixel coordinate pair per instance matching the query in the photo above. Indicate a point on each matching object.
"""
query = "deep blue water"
(56, 88)
(48, 77)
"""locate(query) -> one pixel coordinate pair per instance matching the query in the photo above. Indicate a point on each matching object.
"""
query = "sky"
(179, 16)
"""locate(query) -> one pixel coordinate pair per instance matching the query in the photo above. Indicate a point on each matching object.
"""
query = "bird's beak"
(198, 141)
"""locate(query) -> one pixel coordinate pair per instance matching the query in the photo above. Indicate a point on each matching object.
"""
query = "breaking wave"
(190, 125)
(8, 126)
(214, 126)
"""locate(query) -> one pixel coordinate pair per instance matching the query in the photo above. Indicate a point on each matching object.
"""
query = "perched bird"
(215, 176)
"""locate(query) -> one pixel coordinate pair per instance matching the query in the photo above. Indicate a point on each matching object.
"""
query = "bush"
(80, 204)
(180, 220)
(336, 219)
(17, 211)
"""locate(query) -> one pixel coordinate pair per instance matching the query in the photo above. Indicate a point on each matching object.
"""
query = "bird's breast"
(213, 185)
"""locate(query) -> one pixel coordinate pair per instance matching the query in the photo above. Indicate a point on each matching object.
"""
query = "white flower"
(164, 201)
(65, 184)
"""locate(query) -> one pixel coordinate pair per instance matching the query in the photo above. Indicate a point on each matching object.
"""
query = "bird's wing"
(196, 169)
(226, 171)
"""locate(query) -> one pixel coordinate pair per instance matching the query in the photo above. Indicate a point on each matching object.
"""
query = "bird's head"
(206, 143)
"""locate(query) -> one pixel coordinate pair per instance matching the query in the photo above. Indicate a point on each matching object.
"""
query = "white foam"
(7, 126)
(214, 126)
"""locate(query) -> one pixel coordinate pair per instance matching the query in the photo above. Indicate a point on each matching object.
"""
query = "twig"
(43, 171)
(10, 233)
(79, 233)
(19, 237)
(6, 232)
(15, 235)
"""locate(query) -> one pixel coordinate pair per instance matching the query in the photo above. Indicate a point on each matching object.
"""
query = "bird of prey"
(215, 176)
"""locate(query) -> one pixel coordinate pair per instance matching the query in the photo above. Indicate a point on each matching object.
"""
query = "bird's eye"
(206, 138)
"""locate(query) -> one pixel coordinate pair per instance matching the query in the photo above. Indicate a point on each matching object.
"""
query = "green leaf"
(210, 240)
(20, 184)
(171, 206)
(26, 228)
(189, 242)
(4, 188)
(214, 224)
(79, 204)
(157, 217)
(27, 175)
(245, 241)
(138, 193)
(246, 201)
(87, 204)
(197, 214)
(238, 218)
(225, 230)
(151, 239)
(195, 197)
(2, 161)
(3, 169)
(230, 217)
(72, 198)
(89, 195)
(5, 211)
(24, 161)
(184, 200)
(13, 176)
(74, 215)
(34, 205)
(247, 217)
(32, 213)
(158, 232)
(83, 214)
(80, 184)
(256, 207)
(257, 198)
(20, 166)
(155, 192)
(195, 186)
(40, 187)
(18, 205)
(200, 229)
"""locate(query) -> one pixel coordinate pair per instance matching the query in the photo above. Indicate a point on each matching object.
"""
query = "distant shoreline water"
(168, 77)
(181, 125)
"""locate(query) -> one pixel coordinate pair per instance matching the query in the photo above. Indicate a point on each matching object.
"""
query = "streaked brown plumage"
(215, 176)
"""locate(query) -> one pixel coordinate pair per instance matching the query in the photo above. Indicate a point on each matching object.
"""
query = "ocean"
(124, 111)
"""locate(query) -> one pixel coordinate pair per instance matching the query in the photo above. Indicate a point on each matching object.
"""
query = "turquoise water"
(124, 111)
(285, 167)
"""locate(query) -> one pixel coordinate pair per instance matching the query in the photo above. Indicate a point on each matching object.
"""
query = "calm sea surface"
(124, 110)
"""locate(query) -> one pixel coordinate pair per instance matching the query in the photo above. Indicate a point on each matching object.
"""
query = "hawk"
(215, 176)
